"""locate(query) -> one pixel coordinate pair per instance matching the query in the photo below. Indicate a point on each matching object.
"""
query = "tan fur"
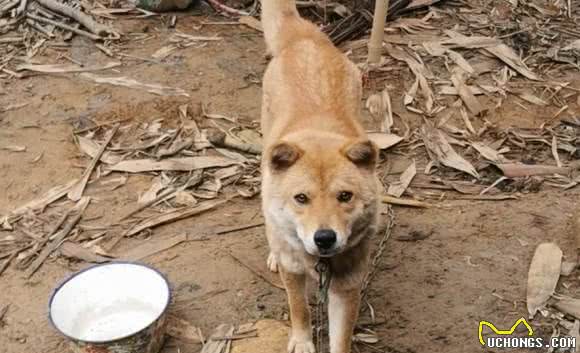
(314, 144)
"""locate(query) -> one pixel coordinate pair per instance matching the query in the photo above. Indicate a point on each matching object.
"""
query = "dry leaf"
(218, 345)
(488, 153)
(543, 276)
(468, 98)
(398, 188)
(151, 193)
(441, 151)
(65, 68)
(567, 305)
(513, 170)
(419, 70)
(14, 148)
(251, 22)
(130, 83)
(184, 198)
(368, 338)
(175, 164)
(182, 330)
(70, 249)
(90, 148)
(384, 141)
(568, 267)
(154, 246)
(379, 105)
(173, 216)
(528, 97)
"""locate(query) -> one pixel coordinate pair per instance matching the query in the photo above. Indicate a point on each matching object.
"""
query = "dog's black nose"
(324, 238)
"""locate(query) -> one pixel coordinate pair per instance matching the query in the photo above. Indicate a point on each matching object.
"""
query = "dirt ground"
(431, 293)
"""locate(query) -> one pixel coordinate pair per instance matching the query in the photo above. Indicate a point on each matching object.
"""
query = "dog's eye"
(344, 196)
(301, 198)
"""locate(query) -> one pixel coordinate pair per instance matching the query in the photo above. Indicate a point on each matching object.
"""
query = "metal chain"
(379, 253)
(324, 276)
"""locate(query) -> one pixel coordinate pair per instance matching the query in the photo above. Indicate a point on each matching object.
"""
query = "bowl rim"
(88, 268)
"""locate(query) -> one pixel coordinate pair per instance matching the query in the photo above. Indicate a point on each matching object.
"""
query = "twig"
(261, 276)
(76, 192)
(63, 26)
(238, 228)
(58, 239)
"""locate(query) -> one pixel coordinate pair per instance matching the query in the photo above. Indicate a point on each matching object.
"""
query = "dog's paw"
(301, 345)
(272, 262)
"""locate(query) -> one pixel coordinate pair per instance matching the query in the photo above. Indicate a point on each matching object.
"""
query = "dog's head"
(325, 188)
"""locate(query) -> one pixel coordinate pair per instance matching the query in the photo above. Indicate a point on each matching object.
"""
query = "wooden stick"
(63, 26)
(378, 31)
(76, 192)
(406, 202)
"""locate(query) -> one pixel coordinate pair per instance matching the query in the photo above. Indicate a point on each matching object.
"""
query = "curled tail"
(278, 17)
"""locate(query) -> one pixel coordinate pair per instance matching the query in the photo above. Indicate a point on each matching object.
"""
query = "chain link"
(379, 253)
(325, 275)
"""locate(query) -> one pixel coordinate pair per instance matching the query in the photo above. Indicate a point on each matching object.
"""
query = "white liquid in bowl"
(109, 302)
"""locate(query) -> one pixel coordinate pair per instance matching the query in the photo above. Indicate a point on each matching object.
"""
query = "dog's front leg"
(343, 309)
(301, 337)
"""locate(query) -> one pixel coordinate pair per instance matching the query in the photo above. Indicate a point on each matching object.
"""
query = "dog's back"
(309, 82)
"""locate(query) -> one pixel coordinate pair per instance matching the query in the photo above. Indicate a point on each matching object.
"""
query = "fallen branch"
(63, 26)
(90, 24)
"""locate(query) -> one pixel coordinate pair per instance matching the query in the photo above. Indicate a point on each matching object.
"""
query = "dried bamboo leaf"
(73, 250)
(419, 70)
(251, 22)
(90, 148)
(175, 164)
(384, 141)
(398, 188)
(514, 170)
(441, 151)
(468, 98)
(182, 330)
(379, 105)
(567, 305)
(543, 276)
(488, 153)
(131, 83)
(14, 148)
(152, 247)
(173, 216)
(65, 68)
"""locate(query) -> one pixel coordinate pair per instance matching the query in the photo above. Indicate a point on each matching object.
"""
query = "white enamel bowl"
(109, 302)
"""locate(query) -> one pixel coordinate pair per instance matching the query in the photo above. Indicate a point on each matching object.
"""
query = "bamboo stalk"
(378, 31)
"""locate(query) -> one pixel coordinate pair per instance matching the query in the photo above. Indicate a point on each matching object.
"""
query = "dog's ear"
(283, 155)
(363, 153)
